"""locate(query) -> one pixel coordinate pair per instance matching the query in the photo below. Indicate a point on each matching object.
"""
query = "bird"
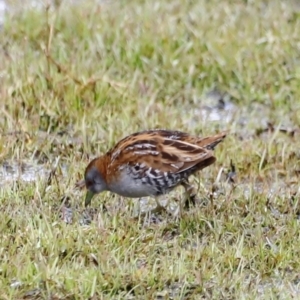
(150, 163)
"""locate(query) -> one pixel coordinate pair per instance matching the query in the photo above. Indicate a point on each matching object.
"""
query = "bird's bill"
(80, 184)
(88, 198)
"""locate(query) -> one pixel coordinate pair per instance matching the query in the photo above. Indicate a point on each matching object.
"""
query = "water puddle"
(214, 107)
(15, 171)
(218, 107)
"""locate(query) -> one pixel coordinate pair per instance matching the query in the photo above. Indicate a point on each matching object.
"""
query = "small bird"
(149, 163)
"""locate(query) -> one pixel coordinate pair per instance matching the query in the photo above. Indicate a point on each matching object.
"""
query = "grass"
(77, 78)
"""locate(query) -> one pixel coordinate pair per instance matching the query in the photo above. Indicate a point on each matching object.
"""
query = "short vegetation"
(76, 78)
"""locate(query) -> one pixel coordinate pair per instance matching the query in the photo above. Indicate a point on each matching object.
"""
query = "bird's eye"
(89, 183)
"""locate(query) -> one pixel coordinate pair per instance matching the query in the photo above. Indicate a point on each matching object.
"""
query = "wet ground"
(217, 107)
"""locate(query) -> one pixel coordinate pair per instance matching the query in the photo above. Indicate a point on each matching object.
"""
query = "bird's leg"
(158, 207)
(191, 194)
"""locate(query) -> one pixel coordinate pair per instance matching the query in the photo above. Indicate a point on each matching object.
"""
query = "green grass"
(76, 79)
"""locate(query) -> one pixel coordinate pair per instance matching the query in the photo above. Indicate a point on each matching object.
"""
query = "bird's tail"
(212, 141)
